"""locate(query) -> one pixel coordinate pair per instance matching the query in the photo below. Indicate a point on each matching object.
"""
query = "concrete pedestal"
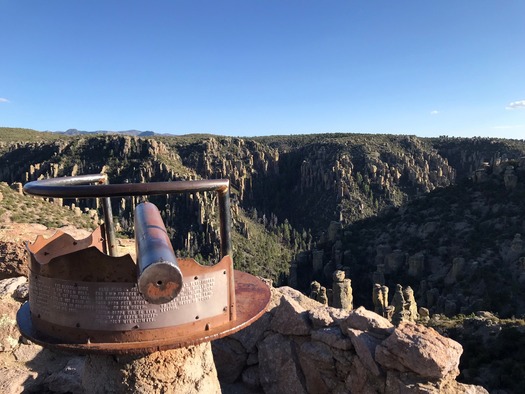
(185, 370)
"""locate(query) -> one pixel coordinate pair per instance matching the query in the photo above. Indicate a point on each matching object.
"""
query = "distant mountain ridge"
(135, 133)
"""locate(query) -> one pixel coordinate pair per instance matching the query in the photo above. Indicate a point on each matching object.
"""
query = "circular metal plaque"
(251, 296)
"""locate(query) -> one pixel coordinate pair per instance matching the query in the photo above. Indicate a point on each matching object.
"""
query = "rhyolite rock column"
(185, 370)
(318, 293)
(323, 297)
(398, 301)
(410, 304)
(315, 287)
(342, 291)
(377, 299)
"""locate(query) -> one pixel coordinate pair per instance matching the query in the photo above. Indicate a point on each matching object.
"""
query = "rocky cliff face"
(347, 178)
(467, 155)
(286, 190)
(283, 193)
(377, 170)
(460, 248)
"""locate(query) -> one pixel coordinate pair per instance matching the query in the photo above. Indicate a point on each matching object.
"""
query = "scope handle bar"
(80, 186)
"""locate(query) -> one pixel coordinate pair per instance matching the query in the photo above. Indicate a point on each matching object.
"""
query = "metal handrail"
(75, 187)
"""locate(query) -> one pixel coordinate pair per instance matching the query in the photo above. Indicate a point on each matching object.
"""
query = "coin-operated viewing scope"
(83, 297)
(159, 275)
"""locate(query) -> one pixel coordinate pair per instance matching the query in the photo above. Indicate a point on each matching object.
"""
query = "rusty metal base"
(252, 298)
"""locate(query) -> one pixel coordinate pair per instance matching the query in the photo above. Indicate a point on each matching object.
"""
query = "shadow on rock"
(54, 372)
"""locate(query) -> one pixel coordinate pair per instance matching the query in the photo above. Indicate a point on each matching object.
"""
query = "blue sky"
(249, 67)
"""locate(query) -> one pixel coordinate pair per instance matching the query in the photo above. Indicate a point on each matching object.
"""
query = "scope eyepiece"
(159, 277)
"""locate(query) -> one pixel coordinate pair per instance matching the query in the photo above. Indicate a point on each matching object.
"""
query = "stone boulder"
(233, 358)
(278, 369)
(9, 334)
(13, 260)
(415, 348)
(188, 370)
(290, 318)
(365, 320)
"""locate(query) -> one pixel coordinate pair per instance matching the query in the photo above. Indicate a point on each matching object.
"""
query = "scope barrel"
(159, 277)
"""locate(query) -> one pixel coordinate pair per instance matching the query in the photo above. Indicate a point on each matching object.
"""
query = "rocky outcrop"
(294, 187)
(356, 176)
(469, 155)
(380, 299)
(438, 357)
(187, 370)
(301, 346)
(319, 293)
(13, 260)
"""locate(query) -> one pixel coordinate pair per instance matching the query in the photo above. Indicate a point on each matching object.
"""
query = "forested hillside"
(286, 190)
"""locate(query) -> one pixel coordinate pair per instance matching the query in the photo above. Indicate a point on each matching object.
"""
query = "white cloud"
(516, 104)
(3, 100)
(434, 112)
